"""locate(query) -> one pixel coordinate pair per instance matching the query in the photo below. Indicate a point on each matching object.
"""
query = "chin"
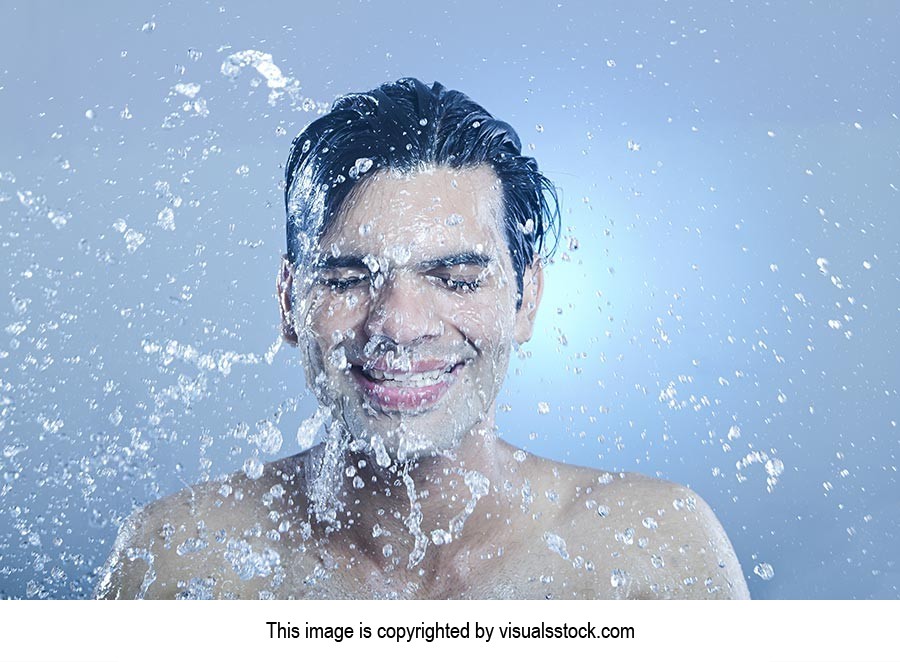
(404, 437)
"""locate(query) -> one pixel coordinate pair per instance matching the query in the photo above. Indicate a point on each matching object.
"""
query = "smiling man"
(415, 231)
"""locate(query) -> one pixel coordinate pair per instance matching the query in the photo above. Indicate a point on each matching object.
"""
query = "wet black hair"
(402, 126)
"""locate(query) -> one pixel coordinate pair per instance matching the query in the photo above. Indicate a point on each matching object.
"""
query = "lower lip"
(388, 397)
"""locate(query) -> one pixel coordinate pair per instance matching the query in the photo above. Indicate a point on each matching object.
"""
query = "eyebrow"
(475, 259)
(356, 262)
(341, 261)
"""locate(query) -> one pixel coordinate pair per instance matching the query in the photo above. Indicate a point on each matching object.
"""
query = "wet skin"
(405, 319)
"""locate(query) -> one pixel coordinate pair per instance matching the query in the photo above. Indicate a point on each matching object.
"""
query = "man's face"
(408, 313)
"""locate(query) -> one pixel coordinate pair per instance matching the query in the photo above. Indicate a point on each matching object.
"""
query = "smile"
(412, 390)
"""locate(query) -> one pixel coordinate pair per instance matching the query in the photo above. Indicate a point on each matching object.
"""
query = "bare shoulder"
(648, 538)
(679, 548)
(216, 539)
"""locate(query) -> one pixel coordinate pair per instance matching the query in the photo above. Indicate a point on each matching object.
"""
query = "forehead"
(425, 213)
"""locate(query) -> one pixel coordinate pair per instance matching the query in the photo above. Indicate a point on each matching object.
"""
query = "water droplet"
(166, 219)
(360, 167)
(764, 571)
(116, 416)
(556, 544)
(441, 537)
(253, 468)
(618, 578)
(650, 523)
(774, 467)
(267, 438)
(543, 408)
(308, 429)
(625, 537)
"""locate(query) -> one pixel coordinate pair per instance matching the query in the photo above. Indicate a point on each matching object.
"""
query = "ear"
(284, 284)
(532, 291)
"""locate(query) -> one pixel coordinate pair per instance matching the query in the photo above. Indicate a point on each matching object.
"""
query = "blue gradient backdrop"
(726, 291)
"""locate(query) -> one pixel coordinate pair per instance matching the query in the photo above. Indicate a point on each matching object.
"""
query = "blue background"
(732, 273)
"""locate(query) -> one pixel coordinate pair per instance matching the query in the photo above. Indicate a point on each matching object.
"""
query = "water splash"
(278, 84)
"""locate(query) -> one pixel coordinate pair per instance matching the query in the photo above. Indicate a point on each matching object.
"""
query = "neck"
(418, 512)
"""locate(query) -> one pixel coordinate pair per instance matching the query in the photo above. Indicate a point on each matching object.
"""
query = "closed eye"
(456, 283)
(343, 284)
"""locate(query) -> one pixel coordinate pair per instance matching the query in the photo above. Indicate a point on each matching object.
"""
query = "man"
(414, 234)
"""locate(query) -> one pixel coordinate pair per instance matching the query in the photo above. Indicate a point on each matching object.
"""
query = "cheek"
(329, 316)
(484, 324)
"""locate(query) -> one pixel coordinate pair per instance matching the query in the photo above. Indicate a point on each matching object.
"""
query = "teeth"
(408, 378)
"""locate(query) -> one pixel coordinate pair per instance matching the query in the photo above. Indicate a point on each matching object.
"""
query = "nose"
(403, 312)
